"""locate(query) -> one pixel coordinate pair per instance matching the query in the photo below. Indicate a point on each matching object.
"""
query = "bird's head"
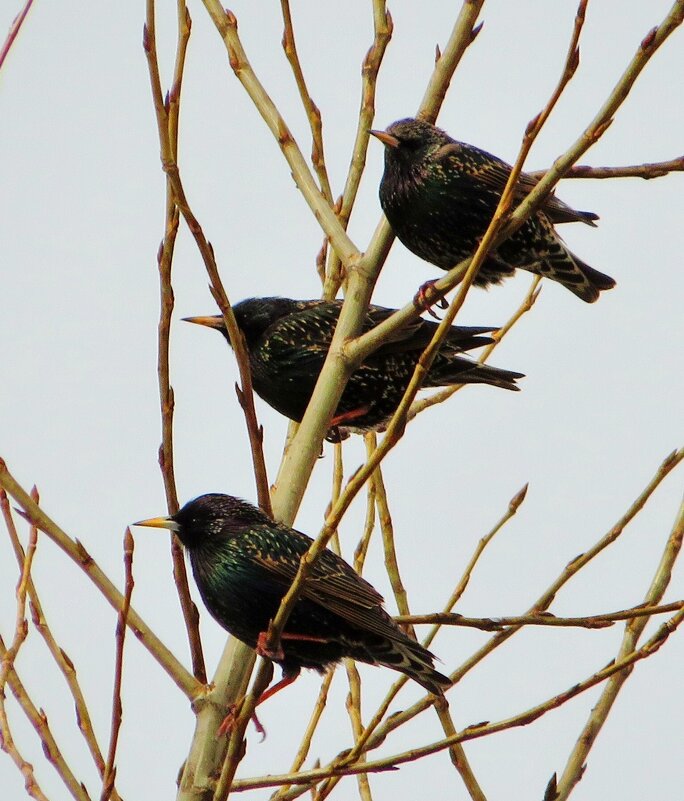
(253, 315)
(207, 517)
(411, 140)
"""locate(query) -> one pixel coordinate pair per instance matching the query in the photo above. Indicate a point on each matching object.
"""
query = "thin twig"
(209, 712)
(20, 624)
(389, 547)
(166, 395)
(78, 554)
(170, 166)
(13, 32)
(117, 707)
(382, 28)
(513, 505)
(462, 36)
(10, 654)
(60, 656)
(353, 706)
(457, 753)
(9, 747)
(312, 111)
(540, 619)
(442, 395)
(38, 720)
(633, 631)
(361, 550)
(544, 601)
(314, 720)
(378, 733)
(479, 730)
(656, 169)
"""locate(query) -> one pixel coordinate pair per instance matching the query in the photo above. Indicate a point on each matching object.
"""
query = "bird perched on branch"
(244, 563)
(288, 341)
(439, 196)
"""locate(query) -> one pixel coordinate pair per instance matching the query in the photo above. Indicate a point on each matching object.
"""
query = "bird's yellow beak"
(387, 139)
(210, 322)
(158, 522)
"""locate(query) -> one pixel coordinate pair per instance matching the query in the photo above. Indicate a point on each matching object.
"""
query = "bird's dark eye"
(410, 144)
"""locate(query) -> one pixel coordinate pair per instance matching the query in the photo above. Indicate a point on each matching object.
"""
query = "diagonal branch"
(479, 730)
(13, 32)
(78, 554)
(633, 631)
(61, 658)
(313, 113)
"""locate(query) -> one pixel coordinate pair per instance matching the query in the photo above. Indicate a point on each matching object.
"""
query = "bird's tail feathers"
(411, 658)
(561, 265)
(457, 370)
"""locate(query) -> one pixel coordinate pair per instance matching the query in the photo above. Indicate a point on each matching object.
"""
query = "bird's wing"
(332, 584)
(417, 334)
(300, 341)
(310, 330)
(494, 172)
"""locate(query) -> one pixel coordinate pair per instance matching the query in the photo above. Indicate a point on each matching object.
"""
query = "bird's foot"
(262, 648)
(230, 720)
(425, 299)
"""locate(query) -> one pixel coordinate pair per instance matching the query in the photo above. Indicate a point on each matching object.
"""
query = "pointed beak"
(216, 321)
(159, 522)
(387, 139)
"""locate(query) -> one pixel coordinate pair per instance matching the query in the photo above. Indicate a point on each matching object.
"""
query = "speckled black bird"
(439, 196)
(288, 341)
(244, 563)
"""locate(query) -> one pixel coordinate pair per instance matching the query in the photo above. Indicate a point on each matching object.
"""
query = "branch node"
(648, 40)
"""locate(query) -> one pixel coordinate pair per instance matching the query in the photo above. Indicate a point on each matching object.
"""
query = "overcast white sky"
(81, 219)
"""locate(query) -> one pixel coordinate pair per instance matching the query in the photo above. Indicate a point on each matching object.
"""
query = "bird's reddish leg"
(229, 720)
(346, 417)
(262, 649)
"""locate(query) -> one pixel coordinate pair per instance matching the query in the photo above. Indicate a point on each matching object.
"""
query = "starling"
(439, 196)
(288, 341)
(244, 563)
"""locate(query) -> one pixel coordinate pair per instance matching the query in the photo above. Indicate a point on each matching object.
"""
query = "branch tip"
(518, 498)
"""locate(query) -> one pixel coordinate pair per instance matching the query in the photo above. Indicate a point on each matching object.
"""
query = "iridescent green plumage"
(244, 562)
